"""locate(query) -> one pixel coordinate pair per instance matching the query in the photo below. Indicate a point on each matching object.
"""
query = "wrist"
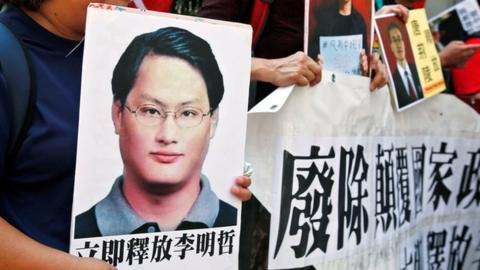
(262, 70)
(444, 60)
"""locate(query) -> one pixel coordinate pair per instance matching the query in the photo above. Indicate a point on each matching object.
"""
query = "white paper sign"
(341, 53)
(469, 14)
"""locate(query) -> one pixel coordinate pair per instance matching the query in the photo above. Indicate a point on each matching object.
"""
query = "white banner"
(352, 184)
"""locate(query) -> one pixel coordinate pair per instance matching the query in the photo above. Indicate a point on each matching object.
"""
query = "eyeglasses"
(396, 39)
(151, 115)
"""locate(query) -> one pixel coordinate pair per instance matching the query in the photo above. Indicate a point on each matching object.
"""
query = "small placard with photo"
(411, 58)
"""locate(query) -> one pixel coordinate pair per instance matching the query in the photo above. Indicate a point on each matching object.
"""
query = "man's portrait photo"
(166, 102)
(401, 63)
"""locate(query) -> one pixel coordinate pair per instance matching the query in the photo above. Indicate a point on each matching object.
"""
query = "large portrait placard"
(161, 140)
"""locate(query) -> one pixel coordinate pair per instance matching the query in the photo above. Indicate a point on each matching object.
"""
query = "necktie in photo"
(411, 89)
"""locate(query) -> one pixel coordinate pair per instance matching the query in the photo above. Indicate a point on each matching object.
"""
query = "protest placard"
(411, 58)
(162, 104)
(339, 31)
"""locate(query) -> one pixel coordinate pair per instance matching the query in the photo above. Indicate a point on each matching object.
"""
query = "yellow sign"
(425, 53)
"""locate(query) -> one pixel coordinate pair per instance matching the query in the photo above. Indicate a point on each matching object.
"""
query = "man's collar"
(402, 70)
(115, 216)
(206, 207)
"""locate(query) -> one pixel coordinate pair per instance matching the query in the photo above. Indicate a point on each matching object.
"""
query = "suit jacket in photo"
(403, 98)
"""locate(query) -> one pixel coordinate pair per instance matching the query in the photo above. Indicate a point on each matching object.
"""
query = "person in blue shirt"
(36, 190)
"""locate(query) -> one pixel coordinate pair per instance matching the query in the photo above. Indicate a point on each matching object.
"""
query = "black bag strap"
(15, 65)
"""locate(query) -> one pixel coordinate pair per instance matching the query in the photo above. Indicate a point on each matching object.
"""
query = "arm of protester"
(297, 69)
(380, 77)
(240, 188)
(19, 252)
(457, 53)
(399, 10)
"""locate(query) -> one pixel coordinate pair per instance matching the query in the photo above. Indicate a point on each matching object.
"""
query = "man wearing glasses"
(405, 78)
(166, 90)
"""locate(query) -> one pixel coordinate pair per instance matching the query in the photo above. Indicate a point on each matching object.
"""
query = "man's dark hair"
(392, 26)
(173, 42)
(30, 4)
(451, 29)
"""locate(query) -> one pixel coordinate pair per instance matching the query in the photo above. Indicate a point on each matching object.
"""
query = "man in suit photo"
(405, 78)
